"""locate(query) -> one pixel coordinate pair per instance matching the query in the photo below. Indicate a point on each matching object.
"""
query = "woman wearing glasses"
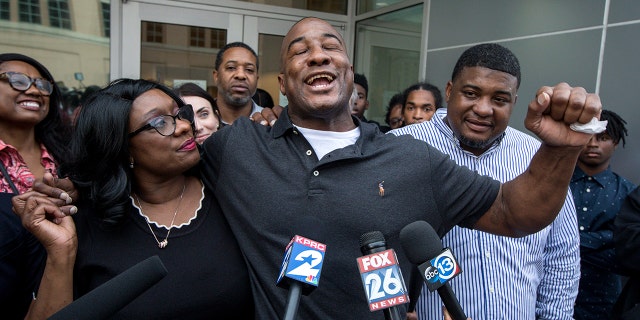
(134, 161)
(32, 141)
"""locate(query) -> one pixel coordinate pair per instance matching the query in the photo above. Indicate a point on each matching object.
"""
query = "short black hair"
(488, 55)
(437, 95)
(360, 79)
(190, 89)
(263, 98)
(397, 98)
(98, 161)
(234, 45)
(616, 128)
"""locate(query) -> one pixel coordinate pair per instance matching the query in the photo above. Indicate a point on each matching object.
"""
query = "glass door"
(174, 41)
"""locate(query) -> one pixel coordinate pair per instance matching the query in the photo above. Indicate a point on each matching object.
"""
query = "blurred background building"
(589, 43)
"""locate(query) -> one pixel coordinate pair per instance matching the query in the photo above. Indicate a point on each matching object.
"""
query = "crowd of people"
(215, 186)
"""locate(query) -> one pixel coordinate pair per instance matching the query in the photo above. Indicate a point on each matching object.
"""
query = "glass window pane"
(29, 11)
(269, 63)
(176, 59)
(218, 38)
(388, 54)
(152, 32)
(196, 36)
(5, 14)
(106, 18)
(328, 6)
(59, 16)
(365, 6)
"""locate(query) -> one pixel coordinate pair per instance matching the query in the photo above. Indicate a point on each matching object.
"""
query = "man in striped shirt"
(534, 277)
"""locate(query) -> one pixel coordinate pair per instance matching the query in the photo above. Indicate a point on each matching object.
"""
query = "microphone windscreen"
(372, 241)
(420, 242)
(110, 297)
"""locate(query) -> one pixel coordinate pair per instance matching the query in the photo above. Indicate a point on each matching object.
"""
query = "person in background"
(626, 236)
(393, 117)
(598, 193)
(206, 117)
(33, 141)
(361, 104)
(533, 277)
(325, 163)
(140, 195)
(236, 77)
(420, 102)
(353, 101)
(263, 98)
(361, 86)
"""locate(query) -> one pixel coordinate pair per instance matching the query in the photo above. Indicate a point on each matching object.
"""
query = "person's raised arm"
(533, 199)
(56, 232)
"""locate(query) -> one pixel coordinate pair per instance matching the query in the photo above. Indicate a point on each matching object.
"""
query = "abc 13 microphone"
(423, 247)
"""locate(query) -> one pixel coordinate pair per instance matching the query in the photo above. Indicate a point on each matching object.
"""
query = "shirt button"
(309, 152)
(584, 209)
(295, 131)
(588, 190)
(316, 173)
(491, 289)
(589, 178)
(581, 228)
(487, 254)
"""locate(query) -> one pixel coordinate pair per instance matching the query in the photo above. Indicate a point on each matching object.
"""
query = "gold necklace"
(162, 244)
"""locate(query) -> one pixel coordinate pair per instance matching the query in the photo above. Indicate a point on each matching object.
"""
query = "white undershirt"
(324, 142)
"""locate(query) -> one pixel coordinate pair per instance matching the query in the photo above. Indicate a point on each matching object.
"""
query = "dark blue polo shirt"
(267, 178)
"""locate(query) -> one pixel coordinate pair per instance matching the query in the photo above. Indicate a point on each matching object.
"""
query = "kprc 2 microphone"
(300, 271)
(381, 276)
(110, 297)
(423, 248)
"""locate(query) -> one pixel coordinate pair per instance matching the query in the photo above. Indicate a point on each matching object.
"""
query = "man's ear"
(447, 91)
(281, 82)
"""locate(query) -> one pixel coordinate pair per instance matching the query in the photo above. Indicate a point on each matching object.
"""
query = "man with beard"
(533, 277)
(598, 193)
(319, 161)
(236, 77)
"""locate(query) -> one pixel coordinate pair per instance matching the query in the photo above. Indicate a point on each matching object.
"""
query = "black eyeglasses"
(166, 125)
(22, 82)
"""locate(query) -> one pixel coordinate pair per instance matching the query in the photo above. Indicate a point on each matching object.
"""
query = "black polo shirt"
(267, 178)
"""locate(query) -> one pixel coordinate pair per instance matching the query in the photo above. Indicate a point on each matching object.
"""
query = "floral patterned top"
(17, 168)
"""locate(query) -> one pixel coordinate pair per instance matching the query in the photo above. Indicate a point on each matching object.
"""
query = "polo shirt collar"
(284, 125)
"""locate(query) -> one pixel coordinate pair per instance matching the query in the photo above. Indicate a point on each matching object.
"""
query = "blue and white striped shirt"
(534, 277)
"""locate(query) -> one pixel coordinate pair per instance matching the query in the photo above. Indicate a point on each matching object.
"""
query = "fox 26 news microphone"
(300, 271)
(437, 266)
(381, 276)
(110, 297)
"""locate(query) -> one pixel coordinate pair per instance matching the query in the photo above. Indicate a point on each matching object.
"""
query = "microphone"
(381, 276)
(300, 271)
(110, 297)
(437, 266)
